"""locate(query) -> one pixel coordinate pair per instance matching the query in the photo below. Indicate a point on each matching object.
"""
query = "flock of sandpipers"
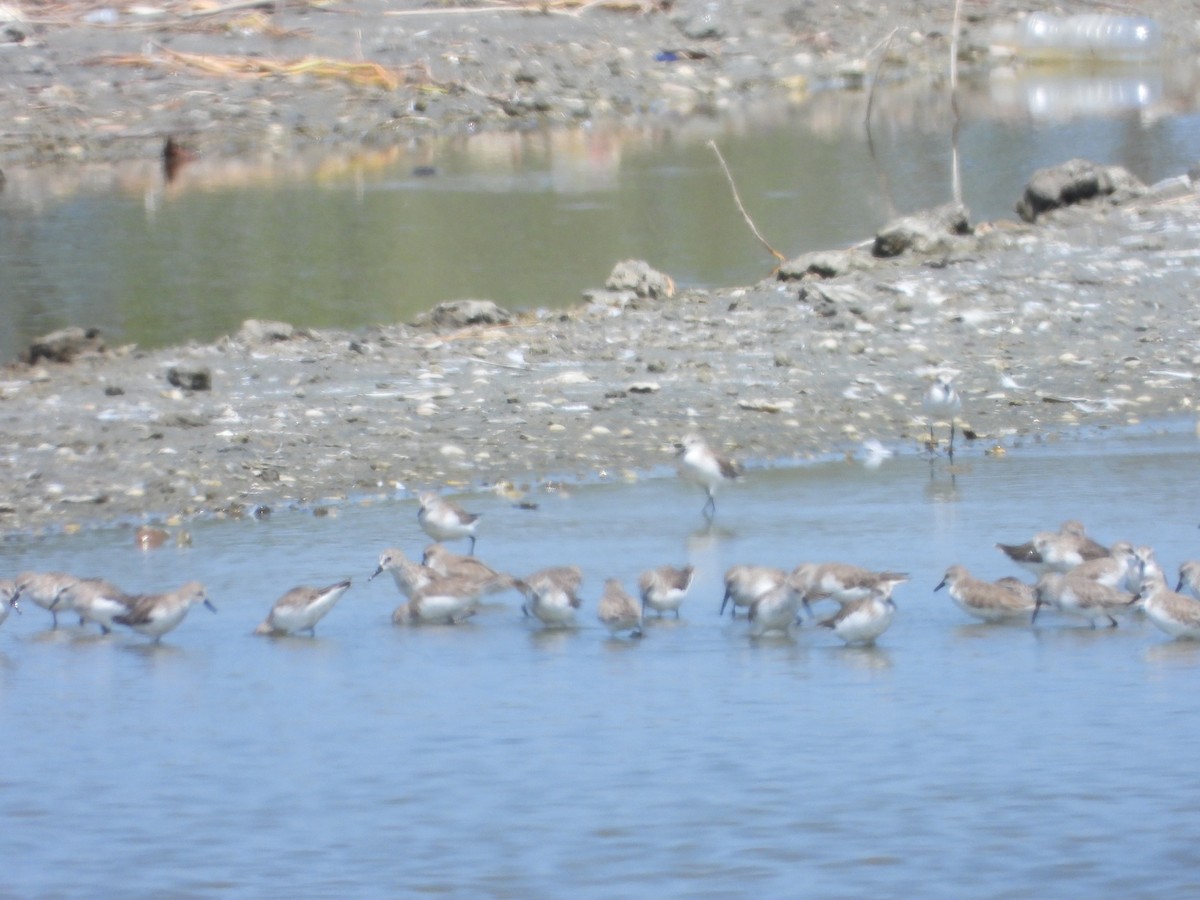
(1076, 575)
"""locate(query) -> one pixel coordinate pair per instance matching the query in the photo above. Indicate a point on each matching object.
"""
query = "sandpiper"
(96, 600)
(1080, 597)
(664, 588)
(1189, 577)
(1176, 614)
(1121, 569)
(552, 595)
(444, 601)
(774, 610)
(43, 588)
(992, 601)
(841, 582)
(941, 401)
(445, 520)
(8, 598)
(618, 611)
(699, 464)
(746, 583)
(454, 565)
(156, 614)
(407, 574)
(862, 621)
(301, 608)
(1060, 551)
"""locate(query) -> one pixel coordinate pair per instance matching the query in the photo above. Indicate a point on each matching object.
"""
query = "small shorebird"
(552, 595)
(664, 588)
(1121, 569)
(841, 582)
(774, 610)
(1059, 551)
(43, 588)
(156, 614)
(1189, 577)
(1080, 597)
(941, 401)
(96, 600)
(455, 565)
(446, 601)
(1176, 614)
(746, 583)
(862, 621)
(618, 611)
(699, 464)
(408, 575)
(992, 601)
(301, 608)
(445, 520)
(8, 598)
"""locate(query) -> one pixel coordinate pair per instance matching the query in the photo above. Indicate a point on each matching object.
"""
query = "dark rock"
(823, 264)
(197, 379)
(930, 231)
(464, 313)
(1075, 181)
(65, 345)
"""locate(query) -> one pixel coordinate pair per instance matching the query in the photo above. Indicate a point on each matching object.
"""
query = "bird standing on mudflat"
(699, 464)
(941, 401)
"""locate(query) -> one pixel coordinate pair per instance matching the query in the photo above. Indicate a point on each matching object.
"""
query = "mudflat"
(1081, 319)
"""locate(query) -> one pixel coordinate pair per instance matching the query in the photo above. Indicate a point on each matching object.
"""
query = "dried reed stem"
(741, 208)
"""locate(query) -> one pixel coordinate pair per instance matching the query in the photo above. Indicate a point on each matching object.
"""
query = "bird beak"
(373, 574)
(208, 603)
(941, 584)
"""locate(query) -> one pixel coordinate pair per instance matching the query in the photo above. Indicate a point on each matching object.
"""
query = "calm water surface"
(533, 219)
(498, 759)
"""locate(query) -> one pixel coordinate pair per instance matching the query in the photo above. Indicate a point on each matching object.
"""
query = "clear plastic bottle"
(1098, 37)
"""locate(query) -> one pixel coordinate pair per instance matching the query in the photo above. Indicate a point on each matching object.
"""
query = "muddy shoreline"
(1083, 319)
(1047, 336)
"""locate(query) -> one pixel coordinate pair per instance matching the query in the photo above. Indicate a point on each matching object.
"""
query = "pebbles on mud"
(1085, 321)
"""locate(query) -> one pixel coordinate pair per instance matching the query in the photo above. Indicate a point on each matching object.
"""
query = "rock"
(463, 313)
(148, 538)
(700, 26)
(197, 379)
(760, 404)
(65, 345)
(823, 264)
(1075, 181)
(254, 331)
(931, 231)
(828, 299)
(636, 275)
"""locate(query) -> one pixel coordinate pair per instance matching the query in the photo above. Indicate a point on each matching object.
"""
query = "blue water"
(497, 759)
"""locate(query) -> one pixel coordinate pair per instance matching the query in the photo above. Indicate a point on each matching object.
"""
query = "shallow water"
(533, 219)
(496, 758)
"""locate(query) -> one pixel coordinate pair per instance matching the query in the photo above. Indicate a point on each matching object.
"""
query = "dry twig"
(741, 208)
